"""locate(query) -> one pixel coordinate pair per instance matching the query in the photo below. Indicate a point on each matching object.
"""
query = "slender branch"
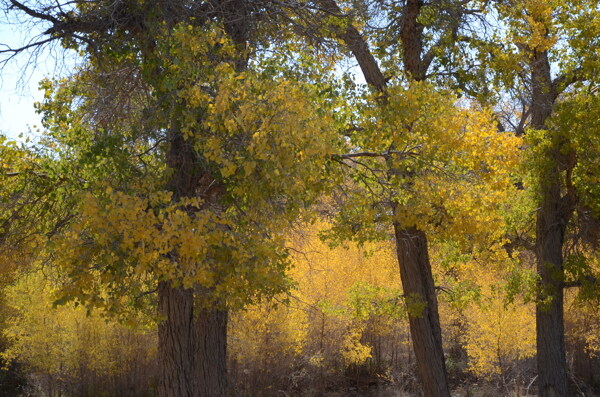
(15, 51)
(13, 174)
(361, 154)
(560, 83)
(580, 282)
(33, 13)
(443, 289)
(520, 130)
(386, 155)
(139, 296)
(158, 142)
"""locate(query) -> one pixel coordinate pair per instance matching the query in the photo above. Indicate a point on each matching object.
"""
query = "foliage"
(442, 165)
(253, 133)
(60, 345)
(499, 335)
(176, 153)
(488, 308)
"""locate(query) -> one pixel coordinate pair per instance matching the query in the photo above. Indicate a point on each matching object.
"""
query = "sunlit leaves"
(442, 164)
(256, 160)
(65, 342)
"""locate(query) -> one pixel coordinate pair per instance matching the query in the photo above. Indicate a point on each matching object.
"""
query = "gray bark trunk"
(552, 218)
(551, 360)
(192, 342)
(419, 289)
(176, 342)
(212, 358)
(192, 346)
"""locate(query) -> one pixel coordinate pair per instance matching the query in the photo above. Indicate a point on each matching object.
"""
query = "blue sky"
(19, 79)
(18, 88)
(18, 94)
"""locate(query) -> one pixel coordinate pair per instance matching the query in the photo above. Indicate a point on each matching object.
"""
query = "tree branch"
(33, 13)
(386, 155)
(15, 51)
(358, 46)
(580, 283)
(560, 83)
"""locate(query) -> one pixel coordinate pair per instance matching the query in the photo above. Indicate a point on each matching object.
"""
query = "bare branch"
(36, 44)
(361, 154)
(33, 13)
(386, 155)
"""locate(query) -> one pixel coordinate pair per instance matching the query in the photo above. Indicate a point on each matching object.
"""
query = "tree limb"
(358, 46)
(560, 83)
(33, 13)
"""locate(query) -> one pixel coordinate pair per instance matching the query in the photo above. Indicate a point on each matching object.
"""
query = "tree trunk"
(212, 357)
(411, 244)
(551, 360)
(419, 290)
(552, 218)
(358, 46)
(176, 342)
(411, 35)
(192, 343)
(192, 347)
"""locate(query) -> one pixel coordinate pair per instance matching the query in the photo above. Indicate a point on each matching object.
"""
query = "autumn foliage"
(214, 206)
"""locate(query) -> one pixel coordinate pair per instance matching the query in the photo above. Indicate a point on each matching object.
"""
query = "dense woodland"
(305, 198)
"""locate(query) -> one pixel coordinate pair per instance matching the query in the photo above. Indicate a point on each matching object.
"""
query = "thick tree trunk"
(212, 357)
(192, 342)
(194, 358)
(419, 290)
(552, 218)
(551, 360)
(176, 342)
(192, 346)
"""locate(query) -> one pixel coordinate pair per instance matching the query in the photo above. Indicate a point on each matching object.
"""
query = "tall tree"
(241, 162)
(422, 49)
(543, 33)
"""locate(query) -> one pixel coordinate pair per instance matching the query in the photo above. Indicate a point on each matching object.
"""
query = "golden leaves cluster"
(443, 164)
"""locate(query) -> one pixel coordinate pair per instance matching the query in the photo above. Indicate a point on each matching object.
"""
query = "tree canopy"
(186, 165)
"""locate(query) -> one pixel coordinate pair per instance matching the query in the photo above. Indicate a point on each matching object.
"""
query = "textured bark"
(177, 345)
(192, 346)
(411, 35)
(543, 91)
(192, 342)
(194, 359)
(551, 360)
(418, 287)
(411, 244)
(176, 342)
(212, 360)
(552, 218)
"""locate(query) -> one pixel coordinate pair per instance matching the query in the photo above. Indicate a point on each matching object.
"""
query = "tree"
(543, 32)
(69, 350)
(403, 115)
(27, 191)
(241, 162)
